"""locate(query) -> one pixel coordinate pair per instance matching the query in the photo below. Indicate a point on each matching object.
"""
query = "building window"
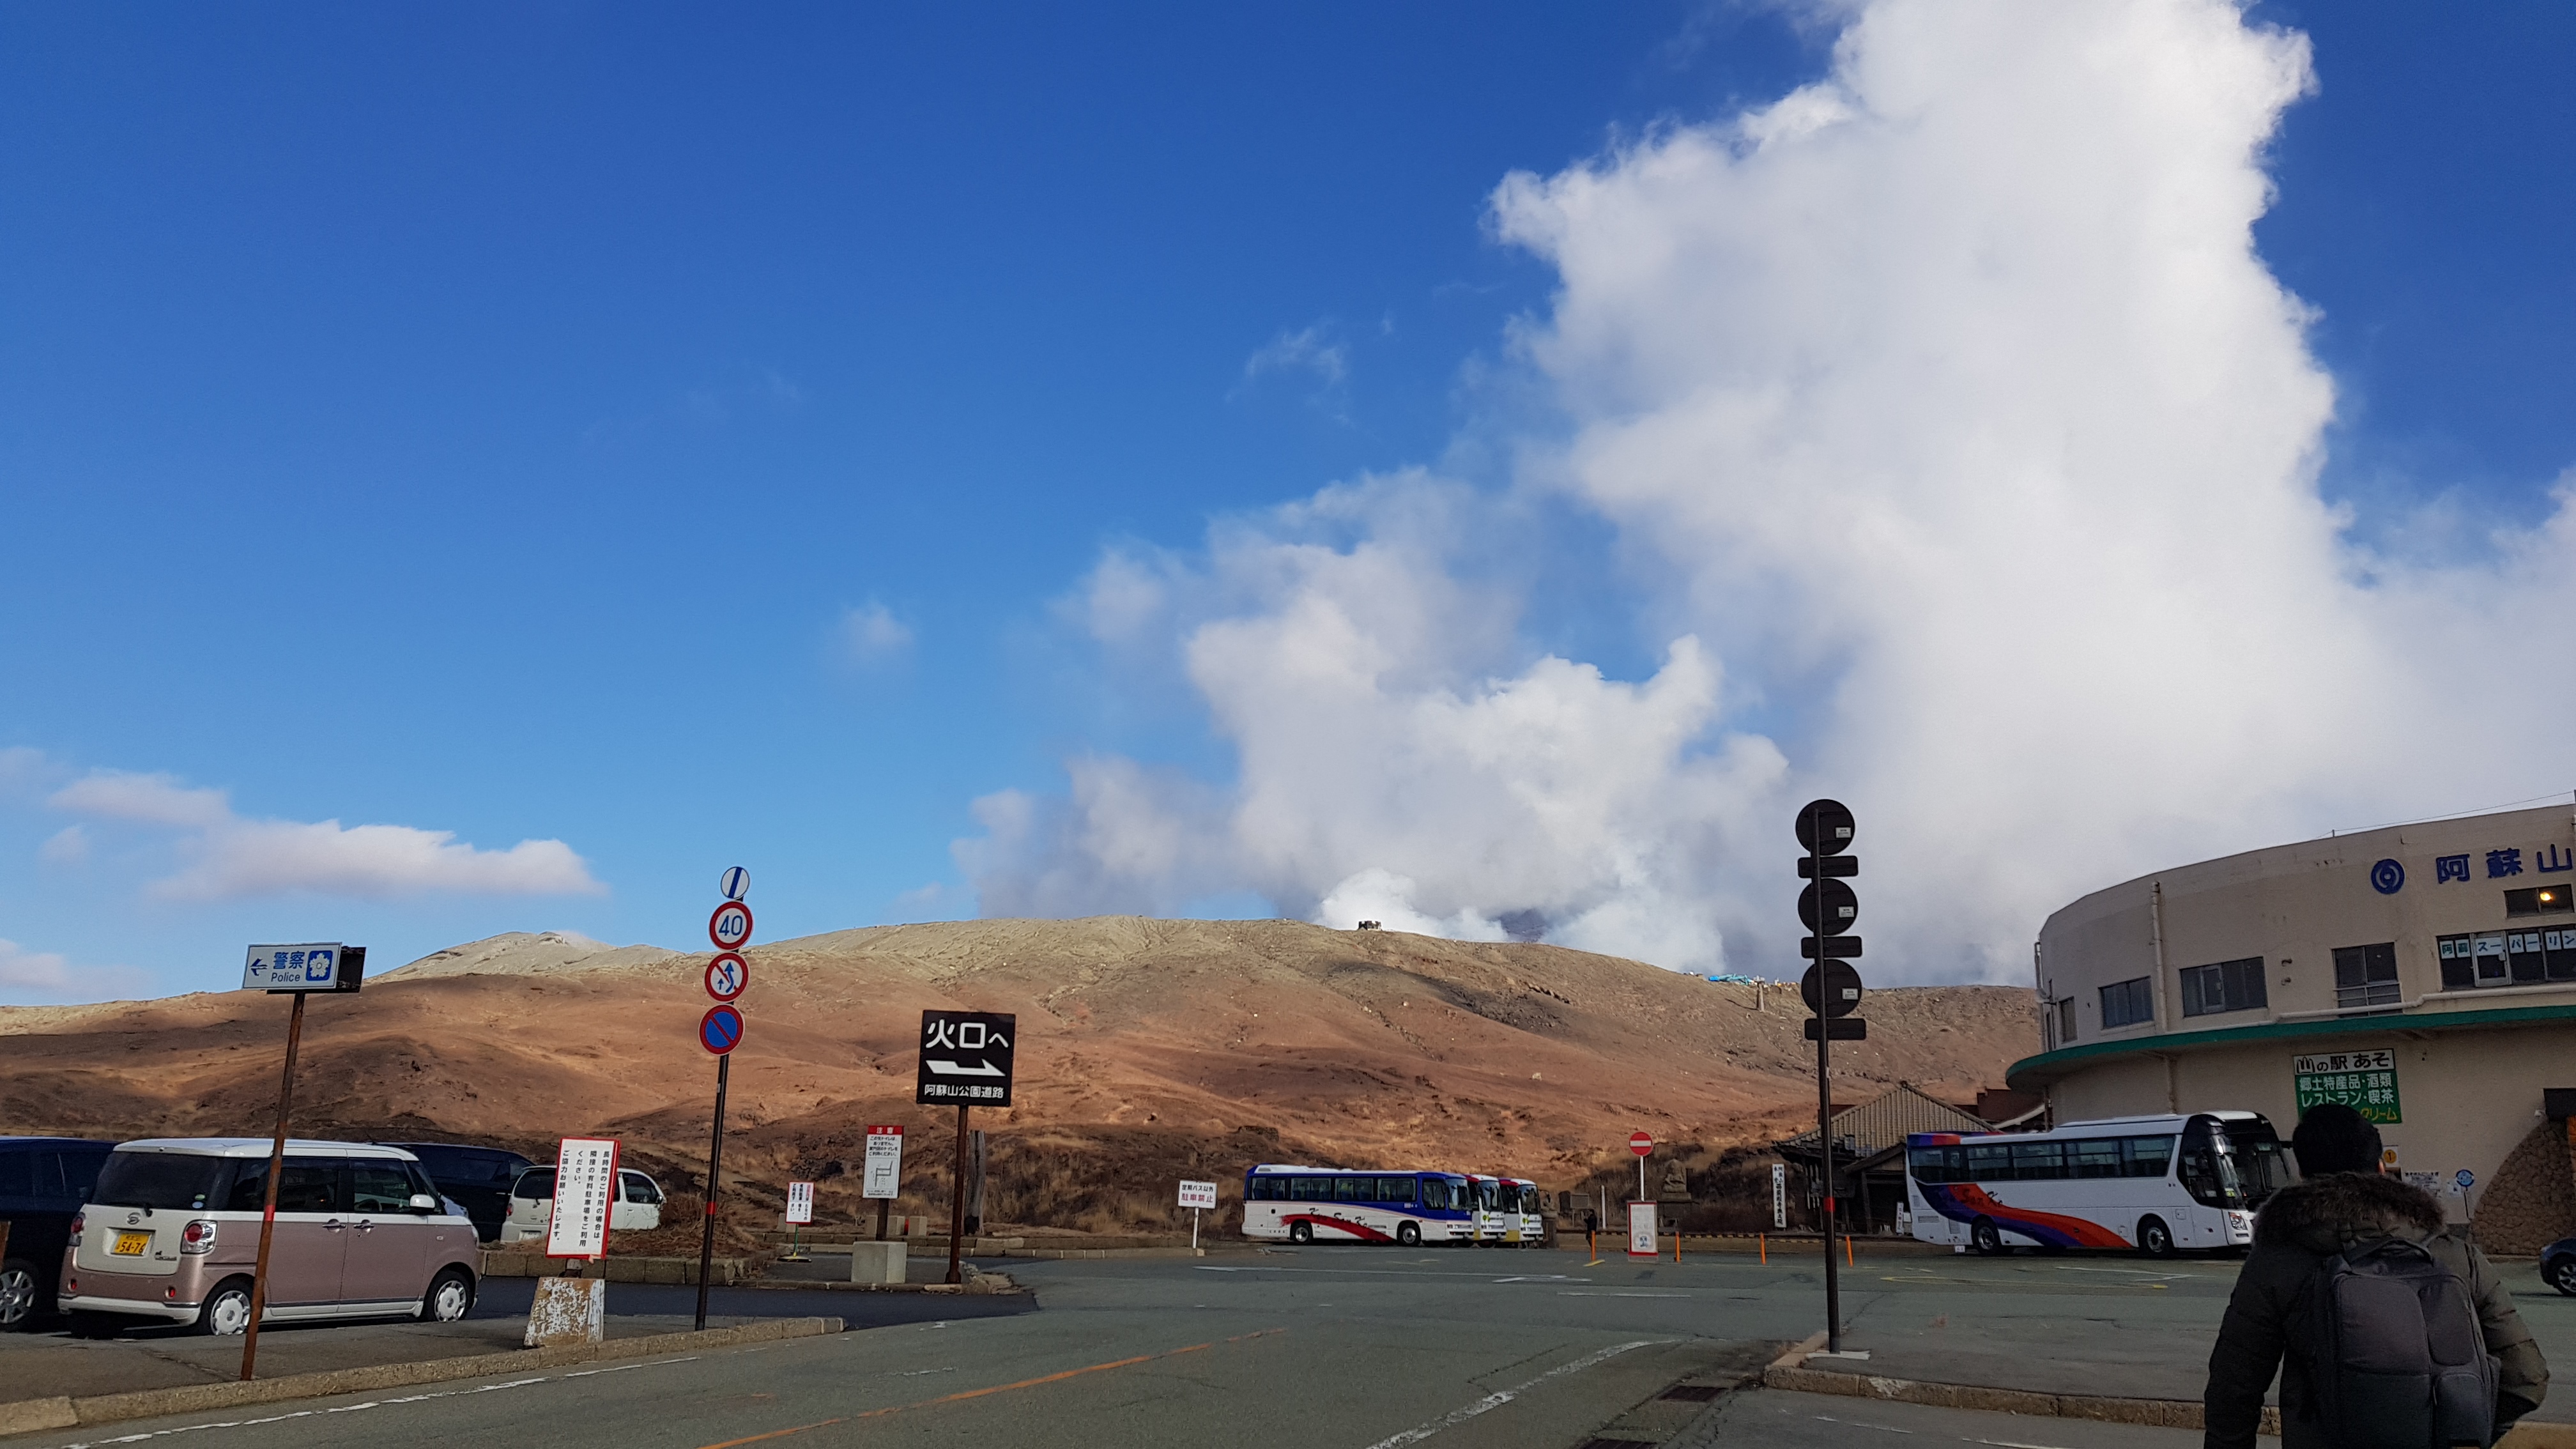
(2227, 986)
(2546, 900)
(2473, 961)
(2065, 1020)
(2125, 1003)
(2366, 975)
(2561, 946)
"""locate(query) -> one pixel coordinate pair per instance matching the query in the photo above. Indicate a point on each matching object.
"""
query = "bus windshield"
(2208, 1170)
(2261, 1165)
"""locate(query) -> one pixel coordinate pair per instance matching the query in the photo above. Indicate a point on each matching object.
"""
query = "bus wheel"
(2154, 1238)
(1301, 1232)
(1408, 1234)
(1984, 1237)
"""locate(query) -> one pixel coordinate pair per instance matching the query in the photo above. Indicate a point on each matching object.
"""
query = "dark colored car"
(2558, 1266)
(43, 1182)
(478, 1178)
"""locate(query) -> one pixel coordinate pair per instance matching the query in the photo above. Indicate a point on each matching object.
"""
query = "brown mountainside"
(1148, 1049)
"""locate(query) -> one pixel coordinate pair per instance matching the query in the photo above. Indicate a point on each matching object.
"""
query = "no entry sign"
(720, 1030)
(1642, 1143)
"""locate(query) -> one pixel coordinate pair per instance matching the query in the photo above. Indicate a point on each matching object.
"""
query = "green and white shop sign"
(2364, 1081)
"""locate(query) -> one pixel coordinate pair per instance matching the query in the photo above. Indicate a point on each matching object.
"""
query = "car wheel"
(1985, 1238)
(1409, 1234)
(2154, 1238)
(2562, 1276)
(226, 1311)
(20, 1290)
(1301, 1232)
(450, 1297)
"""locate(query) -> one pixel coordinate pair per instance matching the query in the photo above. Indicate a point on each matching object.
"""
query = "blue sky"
(693, 438)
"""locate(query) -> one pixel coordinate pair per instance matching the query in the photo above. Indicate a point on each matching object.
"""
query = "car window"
(80, 1173)
(158, 1180)
(311, 1185)
(638, 1188)
(378, 1185)
(17, 1174)
(537, 1183)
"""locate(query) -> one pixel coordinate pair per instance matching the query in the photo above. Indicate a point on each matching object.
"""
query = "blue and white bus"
(2157, 1184)
(1283, 1203)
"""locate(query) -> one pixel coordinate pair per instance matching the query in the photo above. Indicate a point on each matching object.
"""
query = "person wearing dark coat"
(2343, 1200)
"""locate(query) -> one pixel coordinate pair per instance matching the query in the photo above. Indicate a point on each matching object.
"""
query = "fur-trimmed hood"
(2330, 1213)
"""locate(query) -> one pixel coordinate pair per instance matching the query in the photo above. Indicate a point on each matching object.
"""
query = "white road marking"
(1385, 1273)
(1501, 1397)
(152, 1434)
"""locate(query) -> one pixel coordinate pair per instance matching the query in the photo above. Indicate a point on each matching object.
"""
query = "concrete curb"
(989, 1285)
(1788, 1372)
(29, 1415)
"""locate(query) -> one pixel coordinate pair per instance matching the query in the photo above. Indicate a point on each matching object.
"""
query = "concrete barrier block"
(26, 1416)
(877, 1262)
(568, 1310)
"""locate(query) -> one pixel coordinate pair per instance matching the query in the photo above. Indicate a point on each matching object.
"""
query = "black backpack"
(2400, 1361)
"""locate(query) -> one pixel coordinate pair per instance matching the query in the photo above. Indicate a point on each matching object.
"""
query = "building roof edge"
(2033, 1072)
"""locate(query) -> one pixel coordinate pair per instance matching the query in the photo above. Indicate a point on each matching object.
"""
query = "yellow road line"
(994, 1389)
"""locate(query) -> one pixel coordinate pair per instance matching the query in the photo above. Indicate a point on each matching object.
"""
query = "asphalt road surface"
(1353, 1348)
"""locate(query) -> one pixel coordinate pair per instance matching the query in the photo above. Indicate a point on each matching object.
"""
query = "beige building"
(2425, 974)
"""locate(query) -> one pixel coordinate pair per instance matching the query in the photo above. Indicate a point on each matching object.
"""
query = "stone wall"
(2532, 1200)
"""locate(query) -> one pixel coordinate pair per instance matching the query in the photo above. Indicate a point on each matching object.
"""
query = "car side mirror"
(422, 1202)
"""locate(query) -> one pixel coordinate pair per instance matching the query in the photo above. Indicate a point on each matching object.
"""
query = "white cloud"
(67, 846)
(1308, 349)
(871, 634)
(227, 856)
(1948, 403)
(50, 976)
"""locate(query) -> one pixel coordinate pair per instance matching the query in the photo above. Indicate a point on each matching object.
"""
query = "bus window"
(2260, 1163)
(1435, 1193)
(1395, 1189)
(1989, 1162)
(1927, 1164)
(2097, 1158)
(2038, 1161)
(2147, 1156)
(1354, 1189)
(1263, 1189)
(2208, 1166)
(1310, 1189)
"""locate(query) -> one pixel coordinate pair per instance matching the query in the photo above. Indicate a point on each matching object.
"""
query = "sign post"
(1641, 1213)
(720, 1031)
(800, 1212)
(1197, 1197)
(297, 971)
(1642, 1143)
(965, 1059)
(1832, 989)
(881, 1172)
(1779, 1195)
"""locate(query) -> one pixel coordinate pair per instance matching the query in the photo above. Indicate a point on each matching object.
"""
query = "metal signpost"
(1198, 1197)
(299, 971)
(1832, 991)
(720, 1031)
(965, 1059)
(881, 1172)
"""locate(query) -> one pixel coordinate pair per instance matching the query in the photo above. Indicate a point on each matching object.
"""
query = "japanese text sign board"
(882, 1169)
(965, 1059)
(800, 1203)
(1641, 1230)
(585, 1192)
(2365, 1081)
(1198, 1195)
(304, 966)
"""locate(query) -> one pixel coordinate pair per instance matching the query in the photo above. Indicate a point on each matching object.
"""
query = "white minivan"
(532, 1205)
(171, 1233)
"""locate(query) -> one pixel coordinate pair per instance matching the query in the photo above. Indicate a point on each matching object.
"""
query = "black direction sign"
(1833, 902)
(1831, 988)
(965, 1059)
(1825, 827)
(1841, 1028)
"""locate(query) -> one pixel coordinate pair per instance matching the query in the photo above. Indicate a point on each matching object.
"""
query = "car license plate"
(131, 1245)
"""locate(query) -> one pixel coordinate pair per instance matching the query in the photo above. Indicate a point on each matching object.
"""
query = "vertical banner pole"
(957, 1205)
(268, 1210)
(1825, 1096)
(715, 1178)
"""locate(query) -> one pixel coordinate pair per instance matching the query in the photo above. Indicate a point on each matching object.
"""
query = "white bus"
(1330, 1204)
(1507, 1210)
(2156, 1184)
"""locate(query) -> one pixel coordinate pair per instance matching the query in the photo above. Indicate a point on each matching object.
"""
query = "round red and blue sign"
(720, 1030)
